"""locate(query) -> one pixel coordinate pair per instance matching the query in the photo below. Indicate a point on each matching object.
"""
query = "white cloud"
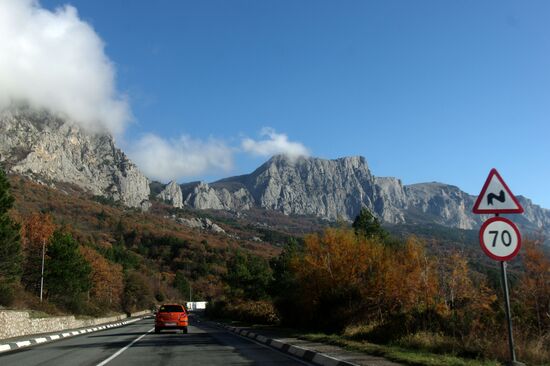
(185, 157)
(56, 61)
(274, 143)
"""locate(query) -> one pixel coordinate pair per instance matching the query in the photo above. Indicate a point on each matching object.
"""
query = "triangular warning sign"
(496, 197)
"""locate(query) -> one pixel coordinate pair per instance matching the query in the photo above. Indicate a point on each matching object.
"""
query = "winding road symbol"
(492, 196)
(496, 198)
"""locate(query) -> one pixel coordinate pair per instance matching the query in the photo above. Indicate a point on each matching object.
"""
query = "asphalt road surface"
(136, 344)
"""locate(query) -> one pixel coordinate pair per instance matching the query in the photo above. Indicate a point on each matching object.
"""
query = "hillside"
(153, 242)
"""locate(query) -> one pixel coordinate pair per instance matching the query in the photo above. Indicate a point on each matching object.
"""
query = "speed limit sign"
(500, 238)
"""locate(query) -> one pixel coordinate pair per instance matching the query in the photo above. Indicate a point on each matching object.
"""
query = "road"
(136, 344)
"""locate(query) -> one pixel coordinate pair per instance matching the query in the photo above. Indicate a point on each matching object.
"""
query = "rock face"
(204, 196)
(332, 189)
(201, 224)
(338, 189)
(172, 194)
(441, 204)
(47, 148)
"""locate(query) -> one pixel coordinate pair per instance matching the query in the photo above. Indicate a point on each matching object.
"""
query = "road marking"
(303, 362)
(124, 349)
(40, 340)
(23, 344)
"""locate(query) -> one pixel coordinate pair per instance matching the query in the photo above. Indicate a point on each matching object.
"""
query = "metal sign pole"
(42, 271)
(508, 314)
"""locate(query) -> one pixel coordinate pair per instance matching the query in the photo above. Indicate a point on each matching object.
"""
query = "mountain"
(50, 149)
(338, 189)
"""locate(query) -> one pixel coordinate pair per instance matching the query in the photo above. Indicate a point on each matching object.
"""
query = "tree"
(411, 279)
(182, 285)
(368, 226)
(337, 278)
(248, 276)
(67, 275)
(107, 279)
(468, 300)
(534, 286)
(138, 294)
(283, 279)
(10, 246)
(37, 231)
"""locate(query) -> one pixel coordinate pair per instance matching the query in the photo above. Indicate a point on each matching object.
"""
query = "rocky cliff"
(172, 194)
(50, 149)
(337, 189)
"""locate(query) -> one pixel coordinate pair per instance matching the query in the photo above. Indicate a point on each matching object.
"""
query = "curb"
(296, 351)
(11, 346)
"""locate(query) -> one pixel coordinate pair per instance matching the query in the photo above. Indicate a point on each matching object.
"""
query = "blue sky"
(425, 90)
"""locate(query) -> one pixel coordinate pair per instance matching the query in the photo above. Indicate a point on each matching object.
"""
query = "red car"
(171, 316)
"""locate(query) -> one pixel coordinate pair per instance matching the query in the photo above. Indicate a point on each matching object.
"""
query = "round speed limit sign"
(500, 238)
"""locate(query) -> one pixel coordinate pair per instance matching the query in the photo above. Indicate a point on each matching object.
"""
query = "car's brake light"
(183, 316)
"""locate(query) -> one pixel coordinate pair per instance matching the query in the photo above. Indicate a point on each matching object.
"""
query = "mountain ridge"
(49, 148)
(297, 186)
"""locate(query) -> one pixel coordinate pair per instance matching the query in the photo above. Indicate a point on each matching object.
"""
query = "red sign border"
(482, 243)
(477, 210)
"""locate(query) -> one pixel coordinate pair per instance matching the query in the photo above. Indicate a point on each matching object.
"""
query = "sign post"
(499, 237)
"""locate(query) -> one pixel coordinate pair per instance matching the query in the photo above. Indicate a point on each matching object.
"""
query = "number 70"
(505, 237)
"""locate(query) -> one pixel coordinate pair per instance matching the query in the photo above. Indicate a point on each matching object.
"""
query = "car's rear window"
(171, 309)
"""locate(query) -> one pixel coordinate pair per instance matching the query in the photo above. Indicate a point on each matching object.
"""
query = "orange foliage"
(534, 286)
(337, 258)
(411, 279)
(107, 278)
(37, 229)
(36, 232)
(368, 280)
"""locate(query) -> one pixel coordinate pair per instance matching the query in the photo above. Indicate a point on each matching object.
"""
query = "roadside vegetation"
(355, 286)
(360, 288)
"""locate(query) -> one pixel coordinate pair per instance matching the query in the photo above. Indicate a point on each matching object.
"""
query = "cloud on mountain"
(274, 143)
(184, 157)
(56, 61)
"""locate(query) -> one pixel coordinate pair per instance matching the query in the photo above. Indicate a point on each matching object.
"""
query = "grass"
(34, 314)
(396, 354)
(407, 356)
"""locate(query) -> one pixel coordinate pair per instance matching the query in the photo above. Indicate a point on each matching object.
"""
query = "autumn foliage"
(36, 232)
(107, 279)
(402, 294)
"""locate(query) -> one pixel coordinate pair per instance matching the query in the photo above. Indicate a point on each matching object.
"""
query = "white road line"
(23, 344)
(4, 347)
(124, 349)
(303, 362)
(40, 340)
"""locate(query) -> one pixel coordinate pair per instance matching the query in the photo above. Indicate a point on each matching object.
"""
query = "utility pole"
(42, 273)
